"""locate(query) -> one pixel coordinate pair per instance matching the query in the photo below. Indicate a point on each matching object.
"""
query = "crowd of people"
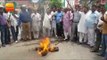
(82, 25)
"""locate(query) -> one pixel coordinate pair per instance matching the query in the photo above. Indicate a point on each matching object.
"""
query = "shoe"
(94, 50)
(65, 39)
(100, 55)
(80, 43)
(9, 43)
(16, 41)
(56, 36)
(91, 46)
(3, 45)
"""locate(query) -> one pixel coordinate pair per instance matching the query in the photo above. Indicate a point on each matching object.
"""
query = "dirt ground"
(67, 51)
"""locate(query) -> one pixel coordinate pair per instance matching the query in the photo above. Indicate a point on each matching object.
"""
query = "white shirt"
(46, 21)
(6, 15)
(13, 21)
(100, 22)
(36, 16)
(53, 19)
(81, 24)
(36, 21)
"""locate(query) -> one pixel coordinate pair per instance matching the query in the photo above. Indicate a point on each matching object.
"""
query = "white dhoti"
(47, 24)
(36, 29)
(36, 24)
(74, 30)
(82, 28)
(66, 34)
(53, 30)
(82, 37)
(46, 31)
(91, 36)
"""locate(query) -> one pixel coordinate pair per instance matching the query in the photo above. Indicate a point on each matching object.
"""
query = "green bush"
(56, 3)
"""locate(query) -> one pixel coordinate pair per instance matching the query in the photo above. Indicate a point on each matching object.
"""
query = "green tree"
(56, 3)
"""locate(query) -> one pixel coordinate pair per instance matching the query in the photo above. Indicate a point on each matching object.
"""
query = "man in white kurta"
(82, 27)
(47, 24)
(91, 23)
(53, 23)
(14, 23)
(36, 17)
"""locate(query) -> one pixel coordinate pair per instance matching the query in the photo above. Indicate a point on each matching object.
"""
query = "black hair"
(86, 7)
(94, 6)
(4, 10)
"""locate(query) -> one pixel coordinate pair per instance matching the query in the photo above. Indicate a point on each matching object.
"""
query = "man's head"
(65, 10)
(15, 11)
(93, 8)
(59, 9)
(80, 8)
(34, 11)
(85, 9)
(4, 10)
(54, 9)
(99, 8)
(103, 9)
(23, 7)
(48, 12)
(77, 7)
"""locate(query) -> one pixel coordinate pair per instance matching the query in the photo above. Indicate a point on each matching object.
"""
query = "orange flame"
(45, 46)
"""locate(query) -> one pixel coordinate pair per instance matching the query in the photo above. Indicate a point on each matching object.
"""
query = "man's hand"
(100, 25)
(102, 18)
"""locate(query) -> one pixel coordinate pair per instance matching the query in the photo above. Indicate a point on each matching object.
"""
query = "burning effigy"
(45, 47)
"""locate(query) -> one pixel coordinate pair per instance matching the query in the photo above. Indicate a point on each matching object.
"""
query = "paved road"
(67, 51)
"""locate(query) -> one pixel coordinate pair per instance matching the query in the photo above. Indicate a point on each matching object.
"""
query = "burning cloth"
(45, 47)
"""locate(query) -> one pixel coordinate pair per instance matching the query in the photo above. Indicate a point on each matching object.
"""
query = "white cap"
(23, 5)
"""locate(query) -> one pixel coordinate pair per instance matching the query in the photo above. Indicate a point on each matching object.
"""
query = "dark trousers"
(3, 34)
(98, 40)
(17, 32)
(13, 33)
(7, 35)
(32, 35)
(26, 31)
(104, 44)
(75, 36)
(59, 29)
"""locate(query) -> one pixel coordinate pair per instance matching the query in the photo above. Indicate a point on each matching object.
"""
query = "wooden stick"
(69, 4)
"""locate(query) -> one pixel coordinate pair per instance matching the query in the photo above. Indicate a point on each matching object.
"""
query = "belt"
(75, 22)
(25, 21)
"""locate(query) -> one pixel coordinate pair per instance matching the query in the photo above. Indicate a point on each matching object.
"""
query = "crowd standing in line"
(81, 25)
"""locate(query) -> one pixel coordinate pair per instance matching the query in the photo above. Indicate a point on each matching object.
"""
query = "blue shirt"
(92, 20)
(58, 17)
(24, 17)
